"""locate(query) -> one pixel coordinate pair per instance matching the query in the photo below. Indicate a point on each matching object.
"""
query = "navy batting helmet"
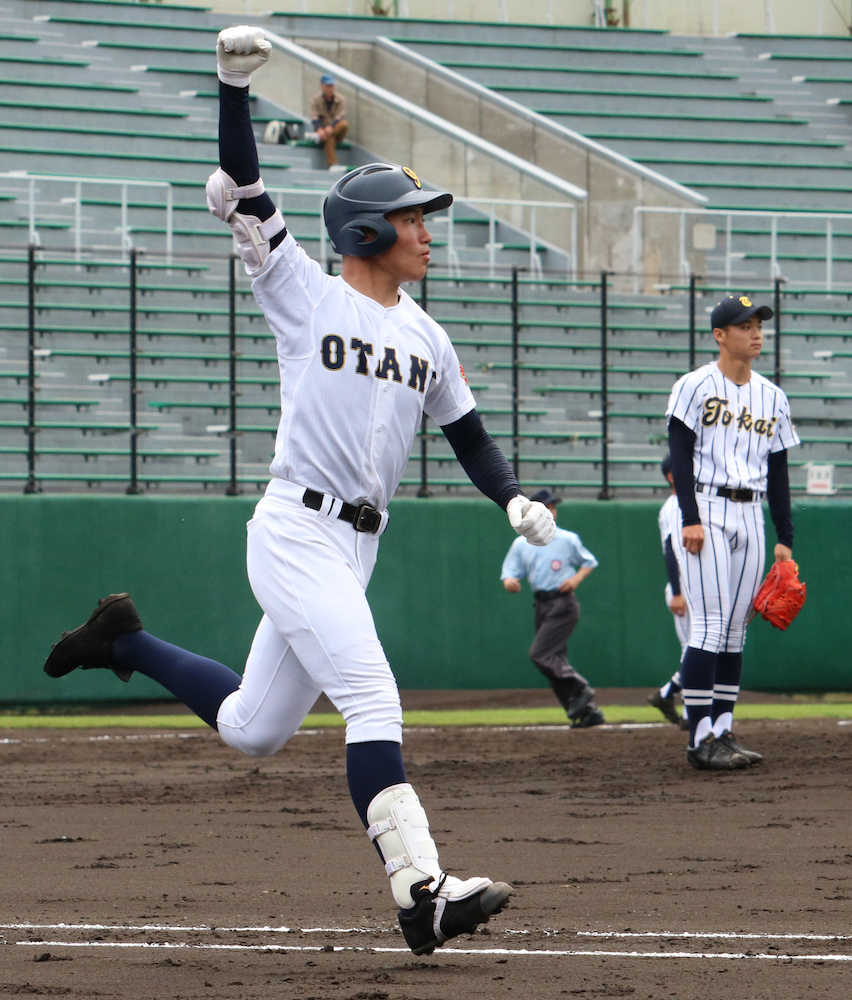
(362, 199)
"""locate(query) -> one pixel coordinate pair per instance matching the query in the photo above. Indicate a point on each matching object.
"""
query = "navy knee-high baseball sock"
(370, 767)
(201, 684)
(697, 674)
(726, 689)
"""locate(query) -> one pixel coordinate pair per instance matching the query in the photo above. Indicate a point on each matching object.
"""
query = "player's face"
(743, 341)
(408, 258)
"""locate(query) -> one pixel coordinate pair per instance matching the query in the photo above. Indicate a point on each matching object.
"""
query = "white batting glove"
(239, 52)
(531, 519)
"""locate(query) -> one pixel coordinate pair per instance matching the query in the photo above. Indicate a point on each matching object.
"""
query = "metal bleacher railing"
(172, 360)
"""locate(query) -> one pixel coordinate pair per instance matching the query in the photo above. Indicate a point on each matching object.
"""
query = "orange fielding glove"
(781, 595)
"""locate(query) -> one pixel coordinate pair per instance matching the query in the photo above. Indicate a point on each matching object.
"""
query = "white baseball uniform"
(736, 427)
(356, 379)
(668, 520)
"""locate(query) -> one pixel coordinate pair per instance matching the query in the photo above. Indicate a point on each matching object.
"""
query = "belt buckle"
(741, 494)
(367, 519)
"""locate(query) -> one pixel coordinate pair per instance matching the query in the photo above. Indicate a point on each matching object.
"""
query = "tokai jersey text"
(716, 412)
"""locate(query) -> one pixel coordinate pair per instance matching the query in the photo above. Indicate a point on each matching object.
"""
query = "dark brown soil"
(172, 840)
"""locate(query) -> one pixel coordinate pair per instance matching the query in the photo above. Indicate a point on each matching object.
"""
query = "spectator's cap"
(736, 309)
(546, 497)
(666, 466)
(326, 78)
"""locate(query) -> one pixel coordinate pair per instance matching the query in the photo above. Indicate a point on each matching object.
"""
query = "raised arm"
(235, 192)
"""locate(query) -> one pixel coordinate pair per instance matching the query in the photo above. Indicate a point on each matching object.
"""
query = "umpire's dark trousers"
(556, 617)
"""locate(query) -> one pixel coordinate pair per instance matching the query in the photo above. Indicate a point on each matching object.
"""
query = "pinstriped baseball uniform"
(668, 520)
(736, 428)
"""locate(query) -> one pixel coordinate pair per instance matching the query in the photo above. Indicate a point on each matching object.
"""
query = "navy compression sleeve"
(672, 567)
(238, 152)
(481, 459)
(681, 448)
(778, 496)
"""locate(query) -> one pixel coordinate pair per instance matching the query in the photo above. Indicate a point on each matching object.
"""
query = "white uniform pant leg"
(748, 554)
(309, 576)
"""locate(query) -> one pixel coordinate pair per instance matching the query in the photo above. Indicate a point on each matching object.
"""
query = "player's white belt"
(363, 517)
(740, 494)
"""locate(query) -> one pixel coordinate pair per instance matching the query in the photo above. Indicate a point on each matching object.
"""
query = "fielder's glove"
(531, 519)
(781, 595)
(239, 52)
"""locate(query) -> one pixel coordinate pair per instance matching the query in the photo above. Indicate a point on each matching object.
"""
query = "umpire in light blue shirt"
(554, 572)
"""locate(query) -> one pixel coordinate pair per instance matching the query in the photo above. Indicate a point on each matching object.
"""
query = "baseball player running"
(668, 521)
(361, 363)
(729, 431)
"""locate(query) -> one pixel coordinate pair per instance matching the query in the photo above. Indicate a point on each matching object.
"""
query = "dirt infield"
(148, 865)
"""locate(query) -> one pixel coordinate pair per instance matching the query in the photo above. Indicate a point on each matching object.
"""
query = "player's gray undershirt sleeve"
(681, 448)
(481, 459)
(778, 497)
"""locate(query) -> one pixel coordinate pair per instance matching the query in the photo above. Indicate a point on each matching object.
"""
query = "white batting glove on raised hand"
(239, 52)
(531, 519)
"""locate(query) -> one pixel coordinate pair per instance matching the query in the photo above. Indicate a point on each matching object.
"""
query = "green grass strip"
(617, 714)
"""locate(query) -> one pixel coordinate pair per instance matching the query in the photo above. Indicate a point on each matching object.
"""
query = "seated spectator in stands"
(328, 117)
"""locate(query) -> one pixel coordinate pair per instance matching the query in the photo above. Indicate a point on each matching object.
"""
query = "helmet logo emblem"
(745, 301)
(410, 173)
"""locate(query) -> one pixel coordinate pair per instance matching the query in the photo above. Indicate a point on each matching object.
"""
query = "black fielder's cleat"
(90, 644)
(666, 706)
(450, 910)
(752, 756)
(590, 716)
(714, 755)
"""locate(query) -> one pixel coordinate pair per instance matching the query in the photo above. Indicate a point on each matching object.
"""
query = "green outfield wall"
(440, 610)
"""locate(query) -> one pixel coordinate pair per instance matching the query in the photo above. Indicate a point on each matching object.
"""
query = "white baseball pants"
(309, 573)
(720, 582)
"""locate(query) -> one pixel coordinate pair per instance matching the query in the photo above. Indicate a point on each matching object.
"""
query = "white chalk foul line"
(502, 952)
(285, 929)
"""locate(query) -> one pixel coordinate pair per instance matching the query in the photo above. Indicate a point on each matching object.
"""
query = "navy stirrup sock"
(697, 674)
(370, 767)
(201, 684)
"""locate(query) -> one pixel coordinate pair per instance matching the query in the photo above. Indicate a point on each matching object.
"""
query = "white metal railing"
(730, 253)
(76, 199)
(453, 259)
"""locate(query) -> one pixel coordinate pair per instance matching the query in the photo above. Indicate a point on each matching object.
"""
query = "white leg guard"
(251, 236)
(399, 826)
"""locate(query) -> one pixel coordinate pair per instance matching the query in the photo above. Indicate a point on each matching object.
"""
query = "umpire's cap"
(546, 497)
(666, 466)
(736, 309)
(361, 201)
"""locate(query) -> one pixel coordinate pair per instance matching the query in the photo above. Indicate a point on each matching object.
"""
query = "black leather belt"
(547, 595)
(740, 494)
(362, 516)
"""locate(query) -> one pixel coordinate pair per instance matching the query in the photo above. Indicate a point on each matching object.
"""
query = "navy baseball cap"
(736, 309)
(666, 465)
(326, 78)
(545, 497)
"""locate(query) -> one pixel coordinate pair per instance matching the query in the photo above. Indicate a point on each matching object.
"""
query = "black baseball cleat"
(434, 919)
(666, 706)
(714, 755)
(90, 644)
(752, 756)
(590, 716)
